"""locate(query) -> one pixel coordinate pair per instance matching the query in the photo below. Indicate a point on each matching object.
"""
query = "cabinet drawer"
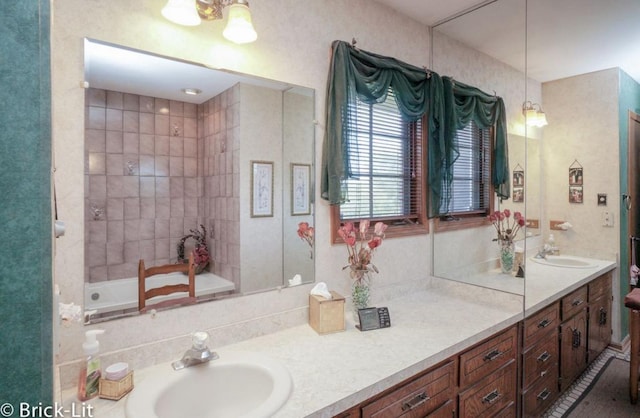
(418, 397)
(541, 360)
(447, 410)
(600, 287)
(539, 397)
(540, 323)
(508, 412)
(487, 357)
(574, 302)
(491, 394)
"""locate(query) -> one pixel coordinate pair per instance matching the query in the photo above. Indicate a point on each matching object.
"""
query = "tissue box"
(326, 316)
(116, 389)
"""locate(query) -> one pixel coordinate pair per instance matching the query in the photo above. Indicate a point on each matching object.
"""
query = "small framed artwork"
(300, 198)
(518, 194)
(518, 176)
(575, 194)
(261, 189)
(575, 175)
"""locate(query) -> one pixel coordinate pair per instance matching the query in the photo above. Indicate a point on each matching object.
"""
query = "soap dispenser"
(89, 378)
(551, 242)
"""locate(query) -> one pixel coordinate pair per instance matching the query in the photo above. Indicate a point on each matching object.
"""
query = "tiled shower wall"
(220, 127)
(141, 183)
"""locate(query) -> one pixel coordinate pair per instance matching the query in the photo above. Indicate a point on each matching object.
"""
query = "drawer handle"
(491, 397)
(576, 338)
(544, 323)
(544, 394)
(418, 400)
(544, 357)
(602, 319)
(577, 302)
(492, 355)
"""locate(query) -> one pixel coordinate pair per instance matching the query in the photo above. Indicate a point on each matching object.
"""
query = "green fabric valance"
(359, 75)
(462, 104)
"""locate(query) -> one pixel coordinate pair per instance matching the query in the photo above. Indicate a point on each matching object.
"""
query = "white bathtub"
(117, 295)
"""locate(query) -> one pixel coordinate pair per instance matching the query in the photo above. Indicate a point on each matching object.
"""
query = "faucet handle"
(199, 340)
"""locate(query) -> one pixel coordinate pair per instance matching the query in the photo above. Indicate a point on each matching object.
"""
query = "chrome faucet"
(545, 251)
(199, 353)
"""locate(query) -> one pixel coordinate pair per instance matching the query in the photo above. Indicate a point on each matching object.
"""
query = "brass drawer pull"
(577, 302)
(544, 394)
(491, 397)
(492, 355)
(544, 357)
(418, 400)
(544, 323)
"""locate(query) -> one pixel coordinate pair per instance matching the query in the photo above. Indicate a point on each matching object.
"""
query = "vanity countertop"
(334, 372)
(546, 284)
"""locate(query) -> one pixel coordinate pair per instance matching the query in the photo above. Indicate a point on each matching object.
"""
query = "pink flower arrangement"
(306, 233)
(360, 246)
(506, 226)
(201, 257)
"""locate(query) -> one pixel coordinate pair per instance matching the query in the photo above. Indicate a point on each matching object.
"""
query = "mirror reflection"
(183, 159)
(471, 252)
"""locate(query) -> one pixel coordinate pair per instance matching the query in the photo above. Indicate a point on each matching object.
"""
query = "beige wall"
(583, 125)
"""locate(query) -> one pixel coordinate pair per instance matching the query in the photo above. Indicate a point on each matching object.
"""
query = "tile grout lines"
(572, 395)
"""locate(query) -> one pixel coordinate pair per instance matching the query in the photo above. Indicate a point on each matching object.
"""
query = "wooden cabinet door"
(599, 325)
(573, 348)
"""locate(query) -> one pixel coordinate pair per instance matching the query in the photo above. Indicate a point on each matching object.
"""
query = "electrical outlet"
(607, 218)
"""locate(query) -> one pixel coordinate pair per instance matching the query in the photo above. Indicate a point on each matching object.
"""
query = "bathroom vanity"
(452, 350)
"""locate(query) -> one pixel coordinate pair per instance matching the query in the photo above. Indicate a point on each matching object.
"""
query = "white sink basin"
(235, 385)
(565, 261)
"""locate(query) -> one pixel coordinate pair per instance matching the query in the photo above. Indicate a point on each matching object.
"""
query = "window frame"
(472, 219)
(392, 231)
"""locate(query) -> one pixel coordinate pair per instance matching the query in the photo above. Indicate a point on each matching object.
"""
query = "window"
(471, 189)
(386, 161)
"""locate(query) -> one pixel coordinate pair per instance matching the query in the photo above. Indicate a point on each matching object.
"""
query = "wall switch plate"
(607, 218)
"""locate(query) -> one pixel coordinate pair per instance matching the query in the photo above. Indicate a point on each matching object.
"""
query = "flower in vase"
(361, 244)
(201, 257)
(306, 233)
(506, 227)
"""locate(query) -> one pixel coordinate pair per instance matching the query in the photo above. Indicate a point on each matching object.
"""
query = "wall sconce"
(239, 28)
(533, 114)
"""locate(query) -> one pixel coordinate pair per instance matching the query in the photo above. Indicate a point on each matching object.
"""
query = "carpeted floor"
(602, 391)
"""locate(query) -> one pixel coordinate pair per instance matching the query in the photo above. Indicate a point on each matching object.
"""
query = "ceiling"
(564, 37)
(126, 70)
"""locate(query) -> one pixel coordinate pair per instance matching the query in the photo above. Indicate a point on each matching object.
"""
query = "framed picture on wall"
(518, 194)
(261, 189)
(575, 176)
(575, 194)
(300, 193)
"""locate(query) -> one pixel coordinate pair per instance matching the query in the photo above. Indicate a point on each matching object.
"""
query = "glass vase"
(507, 256)
(360, 291)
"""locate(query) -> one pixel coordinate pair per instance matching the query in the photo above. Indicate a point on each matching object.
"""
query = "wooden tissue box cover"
(116, 389)
(326, 316)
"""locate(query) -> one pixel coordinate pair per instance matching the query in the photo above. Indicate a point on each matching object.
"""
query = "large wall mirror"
(464, 47)
(176, 152)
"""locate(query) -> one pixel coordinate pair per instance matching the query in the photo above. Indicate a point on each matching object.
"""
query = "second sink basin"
(247, 385)
(565, 261)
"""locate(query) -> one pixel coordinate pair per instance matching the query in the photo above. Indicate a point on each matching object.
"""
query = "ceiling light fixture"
(191, 91)
(239, 28)
(533, 114)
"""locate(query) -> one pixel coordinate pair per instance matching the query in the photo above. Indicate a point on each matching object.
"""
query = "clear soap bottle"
(89, 378)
